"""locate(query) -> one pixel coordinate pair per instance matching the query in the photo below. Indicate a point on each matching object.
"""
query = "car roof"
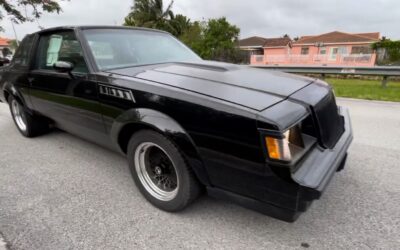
(84, 27)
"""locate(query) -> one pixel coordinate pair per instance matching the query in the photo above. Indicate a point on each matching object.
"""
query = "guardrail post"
(384, 81)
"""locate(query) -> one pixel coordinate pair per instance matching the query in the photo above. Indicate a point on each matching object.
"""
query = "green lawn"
(366, 89)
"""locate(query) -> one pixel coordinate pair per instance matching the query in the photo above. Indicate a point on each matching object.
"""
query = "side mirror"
(63, 67)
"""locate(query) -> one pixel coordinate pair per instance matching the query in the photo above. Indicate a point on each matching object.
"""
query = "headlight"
(286, 148)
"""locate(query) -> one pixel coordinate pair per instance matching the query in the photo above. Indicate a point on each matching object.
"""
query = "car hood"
(253, 88)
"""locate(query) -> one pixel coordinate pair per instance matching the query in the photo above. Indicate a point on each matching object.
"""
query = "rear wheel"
(161, 172)
(28, 124)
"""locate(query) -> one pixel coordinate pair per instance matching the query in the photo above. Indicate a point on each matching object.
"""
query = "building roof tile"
(256, 41)
(4, 41)
(277, 42)
(339, 37)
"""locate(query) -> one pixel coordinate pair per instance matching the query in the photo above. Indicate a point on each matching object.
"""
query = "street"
(58, 191)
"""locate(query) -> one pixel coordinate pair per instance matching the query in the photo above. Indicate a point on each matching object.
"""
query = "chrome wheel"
(18, 114)
(156, 171)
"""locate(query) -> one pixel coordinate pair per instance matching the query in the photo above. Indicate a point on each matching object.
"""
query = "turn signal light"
(273, 148)
(286, 147)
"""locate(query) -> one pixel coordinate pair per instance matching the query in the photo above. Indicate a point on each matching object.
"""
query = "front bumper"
(312, 176)
(316, 170)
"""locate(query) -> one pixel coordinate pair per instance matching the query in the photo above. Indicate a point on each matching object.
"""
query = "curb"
(366, 100)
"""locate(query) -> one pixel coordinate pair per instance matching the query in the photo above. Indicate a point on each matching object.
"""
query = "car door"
(69, 99)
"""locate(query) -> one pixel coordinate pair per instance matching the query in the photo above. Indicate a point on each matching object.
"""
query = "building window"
(259, 58)
(322, 50)
(343, 50)
(337, 50)
(361, 50)
(305, 50)
(333, 54)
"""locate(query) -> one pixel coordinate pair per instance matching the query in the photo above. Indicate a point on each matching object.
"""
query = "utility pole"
(15, 33)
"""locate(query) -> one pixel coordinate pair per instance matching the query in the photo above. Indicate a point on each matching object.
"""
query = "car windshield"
(119, 48)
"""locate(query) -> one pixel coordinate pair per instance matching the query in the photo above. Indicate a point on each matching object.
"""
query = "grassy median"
(366, 89)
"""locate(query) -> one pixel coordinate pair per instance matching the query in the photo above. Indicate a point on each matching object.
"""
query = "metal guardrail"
(360, 60)
(384, 71)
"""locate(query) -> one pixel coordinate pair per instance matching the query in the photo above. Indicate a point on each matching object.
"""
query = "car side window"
(60, 46)
(22, 55)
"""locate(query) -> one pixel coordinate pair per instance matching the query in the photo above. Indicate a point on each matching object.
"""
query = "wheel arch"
(6, 95)
(12, 90)
(135, 120)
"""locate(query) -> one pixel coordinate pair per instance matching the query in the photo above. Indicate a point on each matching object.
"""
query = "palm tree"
(179, 24)
(149, 14)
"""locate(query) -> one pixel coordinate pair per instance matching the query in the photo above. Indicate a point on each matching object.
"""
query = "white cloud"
(254, 17)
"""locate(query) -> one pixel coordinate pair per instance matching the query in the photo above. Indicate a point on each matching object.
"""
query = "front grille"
(328, 121)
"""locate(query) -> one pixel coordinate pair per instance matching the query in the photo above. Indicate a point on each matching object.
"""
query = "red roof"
(277, 42)
(256, 41)
(339, 37)
(373, 35)
(4, 41)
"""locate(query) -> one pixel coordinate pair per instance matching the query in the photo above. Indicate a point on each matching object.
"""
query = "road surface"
(60, 192)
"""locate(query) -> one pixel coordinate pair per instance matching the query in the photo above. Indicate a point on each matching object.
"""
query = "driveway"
(60, 192)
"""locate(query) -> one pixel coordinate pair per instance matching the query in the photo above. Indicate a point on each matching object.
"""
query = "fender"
(12, 90)
(2, 85)
(166, 126)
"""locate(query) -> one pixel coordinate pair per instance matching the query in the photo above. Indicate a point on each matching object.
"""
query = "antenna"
(39, 26)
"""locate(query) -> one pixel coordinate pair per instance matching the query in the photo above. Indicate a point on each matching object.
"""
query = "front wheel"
(161, 172)
(28, 124)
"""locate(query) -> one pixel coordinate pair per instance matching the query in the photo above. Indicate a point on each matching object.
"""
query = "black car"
(267, 140)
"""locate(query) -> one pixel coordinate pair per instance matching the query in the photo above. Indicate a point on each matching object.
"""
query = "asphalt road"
(60, 192)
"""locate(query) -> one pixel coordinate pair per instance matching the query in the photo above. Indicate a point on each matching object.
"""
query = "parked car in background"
(267, 140)
(9, 57)
(4, 61)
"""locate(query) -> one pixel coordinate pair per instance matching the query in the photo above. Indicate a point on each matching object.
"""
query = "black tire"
(31, 125)
(188, 187)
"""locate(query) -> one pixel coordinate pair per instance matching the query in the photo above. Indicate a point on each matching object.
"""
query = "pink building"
(256, 46)
(334, 48)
